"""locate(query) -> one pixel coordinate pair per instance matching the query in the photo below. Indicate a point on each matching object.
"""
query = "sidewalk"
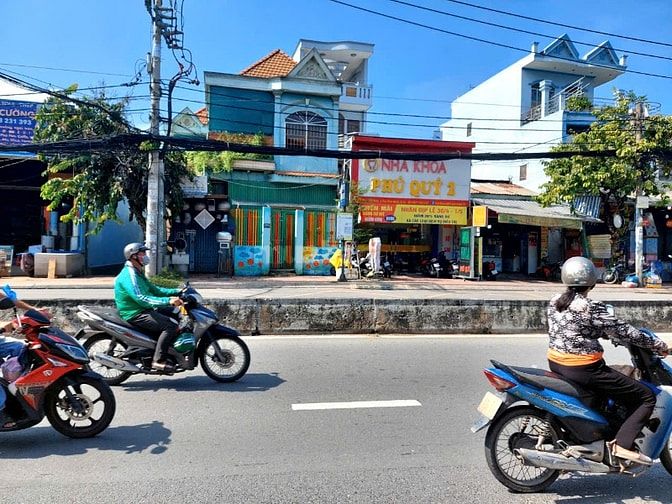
(327, 287)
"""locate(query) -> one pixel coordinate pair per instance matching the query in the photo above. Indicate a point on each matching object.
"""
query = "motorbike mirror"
(610, 309)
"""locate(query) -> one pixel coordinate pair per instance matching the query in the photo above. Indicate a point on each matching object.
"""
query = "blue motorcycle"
(540, 425)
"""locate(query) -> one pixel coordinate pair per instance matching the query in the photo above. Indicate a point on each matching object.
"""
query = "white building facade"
(530, 106)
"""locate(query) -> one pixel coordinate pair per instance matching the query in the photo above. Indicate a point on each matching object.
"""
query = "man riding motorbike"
(575, 323)
(146, 305)
(10, 347)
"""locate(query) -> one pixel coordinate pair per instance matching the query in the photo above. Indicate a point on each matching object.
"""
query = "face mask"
(146, 260)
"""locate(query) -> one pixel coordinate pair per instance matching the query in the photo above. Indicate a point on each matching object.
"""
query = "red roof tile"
(275, 64)
(202, 115)
(500, 188)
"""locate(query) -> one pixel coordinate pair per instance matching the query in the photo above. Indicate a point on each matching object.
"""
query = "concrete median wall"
(362, 316)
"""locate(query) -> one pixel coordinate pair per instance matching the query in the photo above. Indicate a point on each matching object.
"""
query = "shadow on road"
(653, 487)
(251, 382)
(43, 441)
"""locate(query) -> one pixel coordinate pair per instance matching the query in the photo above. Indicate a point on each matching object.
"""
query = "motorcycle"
(119, 350)
(540, 425)
(448, 268)
(54, 381)
(549, 270)
(490, 271)
(614, 274)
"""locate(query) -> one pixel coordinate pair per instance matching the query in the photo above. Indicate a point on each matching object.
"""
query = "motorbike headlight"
(75, 352)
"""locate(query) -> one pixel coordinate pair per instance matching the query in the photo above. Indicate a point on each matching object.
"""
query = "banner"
(405, 213)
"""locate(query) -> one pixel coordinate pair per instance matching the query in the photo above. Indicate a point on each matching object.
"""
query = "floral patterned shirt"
(577, 329)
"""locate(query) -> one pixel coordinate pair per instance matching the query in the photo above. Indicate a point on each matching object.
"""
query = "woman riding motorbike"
(575, 323)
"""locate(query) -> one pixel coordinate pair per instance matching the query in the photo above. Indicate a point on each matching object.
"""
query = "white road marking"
(355, 404)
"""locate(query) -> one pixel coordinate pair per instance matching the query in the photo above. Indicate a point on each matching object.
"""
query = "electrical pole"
(638, 117)
(153, 231)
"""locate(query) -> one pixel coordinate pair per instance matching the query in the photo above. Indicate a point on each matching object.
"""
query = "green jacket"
(134, 293)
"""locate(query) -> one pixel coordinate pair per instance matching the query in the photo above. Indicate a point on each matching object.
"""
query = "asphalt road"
(188, 439)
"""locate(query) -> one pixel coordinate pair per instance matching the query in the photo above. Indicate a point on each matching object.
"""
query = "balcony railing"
(355, 94)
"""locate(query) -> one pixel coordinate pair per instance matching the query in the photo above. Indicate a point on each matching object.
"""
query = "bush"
(168, 278)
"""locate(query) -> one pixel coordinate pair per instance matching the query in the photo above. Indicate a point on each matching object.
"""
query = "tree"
(94, 183)
(642, 160)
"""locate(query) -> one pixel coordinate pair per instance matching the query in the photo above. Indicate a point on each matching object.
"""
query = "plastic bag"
(11, 369)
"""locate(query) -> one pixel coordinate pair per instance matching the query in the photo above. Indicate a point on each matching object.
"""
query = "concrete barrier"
(390, 316)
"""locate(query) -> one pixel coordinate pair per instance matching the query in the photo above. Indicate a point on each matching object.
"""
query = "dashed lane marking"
(355, 404)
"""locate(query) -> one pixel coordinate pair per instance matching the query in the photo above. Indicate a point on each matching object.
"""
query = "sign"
(204, 218)
(344, 226)
(480, 216)
(531, 220)
(600, 246)
(405, 213)
(642, 202)
(419, 182)
(197, 188)
(17, 123)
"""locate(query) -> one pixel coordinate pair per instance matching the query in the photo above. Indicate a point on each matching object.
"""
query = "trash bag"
(11, 369)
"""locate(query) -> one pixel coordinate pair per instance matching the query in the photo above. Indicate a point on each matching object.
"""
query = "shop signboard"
(343, 226)
(381, 211)
(17, 123)
(600, 246)
(413, 192)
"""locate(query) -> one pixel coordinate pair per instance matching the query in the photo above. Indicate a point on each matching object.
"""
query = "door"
(282, 239)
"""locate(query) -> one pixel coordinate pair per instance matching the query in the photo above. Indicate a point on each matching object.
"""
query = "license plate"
(490, 405)
(386, 264)
(436, 266)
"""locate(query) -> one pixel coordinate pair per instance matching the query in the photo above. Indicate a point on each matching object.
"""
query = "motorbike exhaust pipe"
(115, 363)
(560, 462)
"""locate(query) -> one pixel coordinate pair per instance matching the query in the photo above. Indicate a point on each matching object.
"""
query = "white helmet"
(133, 248)
(579, 272)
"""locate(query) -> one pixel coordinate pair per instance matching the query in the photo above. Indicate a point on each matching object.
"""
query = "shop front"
(523, 237)
(415, 207)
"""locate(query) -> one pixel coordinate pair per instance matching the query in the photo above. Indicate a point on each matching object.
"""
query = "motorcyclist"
(9, 346)
(146, 305)
(575, 323)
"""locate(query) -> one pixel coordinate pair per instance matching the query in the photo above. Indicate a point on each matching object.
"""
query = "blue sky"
(413, 70)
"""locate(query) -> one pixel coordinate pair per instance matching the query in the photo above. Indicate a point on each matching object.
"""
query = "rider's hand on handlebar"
(176, 301)
(664, 353)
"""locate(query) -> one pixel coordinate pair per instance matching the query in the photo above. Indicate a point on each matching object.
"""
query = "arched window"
(305, 130)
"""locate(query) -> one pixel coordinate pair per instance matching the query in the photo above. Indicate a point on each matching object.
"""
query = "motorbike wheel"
(666, 456)
(234, 362)
(518, 428)
(80, 407)
(610, 277)
(102, 343)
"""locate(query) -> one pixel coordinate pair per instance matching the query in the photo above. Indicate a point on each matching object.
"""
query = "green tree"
(95, 182)
(204, 162)
(641, 162)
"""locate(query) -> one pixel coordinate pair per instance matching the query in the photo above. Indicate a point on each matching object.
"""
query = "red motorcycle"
(56, 383)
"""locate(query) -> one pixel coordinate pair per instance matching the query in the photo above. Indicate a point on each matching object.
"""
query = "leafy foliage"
(95, 183)
(638, 165)
(202, 162)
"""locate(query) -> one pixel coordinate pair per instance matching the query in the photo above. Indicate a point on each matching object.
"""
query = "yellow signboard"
(402, 213)
(480, 216)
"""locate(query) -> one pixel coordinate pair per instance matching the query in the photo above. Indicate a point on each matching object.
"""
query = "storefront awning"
(531, 213)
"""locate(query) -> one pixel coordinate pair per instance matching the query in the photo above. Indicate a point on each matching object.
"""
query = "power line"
(518, 30)
(485, 41)
(590, 30)
(133, 140)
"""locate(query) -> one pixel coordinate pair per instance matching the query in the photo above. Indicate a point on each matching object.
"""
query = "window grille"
(305, 130)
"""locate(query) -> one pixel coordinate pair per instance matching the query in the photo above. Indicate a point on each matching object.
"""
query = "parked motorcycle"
(53, 381)
(614, 274)
(448, 268)
(540, 425)
(549, 270)
(119, 350)
(490, 271)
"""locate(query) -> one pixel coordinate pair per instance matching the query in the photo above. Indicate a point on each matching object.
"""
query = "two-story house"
(280, 211)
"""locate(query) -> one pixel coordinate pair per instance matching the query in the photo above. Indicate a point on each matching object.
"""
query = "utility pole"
(640, 203)
(153, 230)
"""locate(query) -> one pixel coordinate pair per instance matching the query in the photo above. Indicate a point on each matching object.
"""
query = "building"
(281, 211)
(530, 106)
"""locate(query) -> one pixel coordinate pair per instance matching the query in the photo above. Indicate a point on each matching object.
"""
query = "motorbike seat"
(110, 315)
(543, 379)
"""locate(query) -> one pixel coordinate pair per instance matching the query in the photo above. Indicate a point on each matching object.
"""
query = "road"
(262, 440)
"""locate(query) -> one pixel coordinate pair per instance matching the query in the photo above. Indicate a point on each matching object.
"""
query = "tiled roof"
(202, 115)
(275, 64)
(499, 188)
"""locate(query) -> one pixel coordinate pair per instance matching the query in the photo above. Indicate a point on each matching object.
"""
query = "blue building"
(281, 211)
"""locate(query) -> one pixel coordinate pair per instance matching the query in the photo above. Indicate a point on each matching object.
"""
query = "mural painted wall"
(248, 261)
(316, 260)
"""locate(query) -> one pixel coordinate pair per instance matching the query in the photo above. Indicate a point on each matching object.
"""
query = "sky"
(415, 70)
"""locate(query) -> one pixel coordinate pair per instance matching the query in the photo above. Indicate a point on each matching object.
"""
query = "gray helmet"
(133, 248)
(579, 272)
